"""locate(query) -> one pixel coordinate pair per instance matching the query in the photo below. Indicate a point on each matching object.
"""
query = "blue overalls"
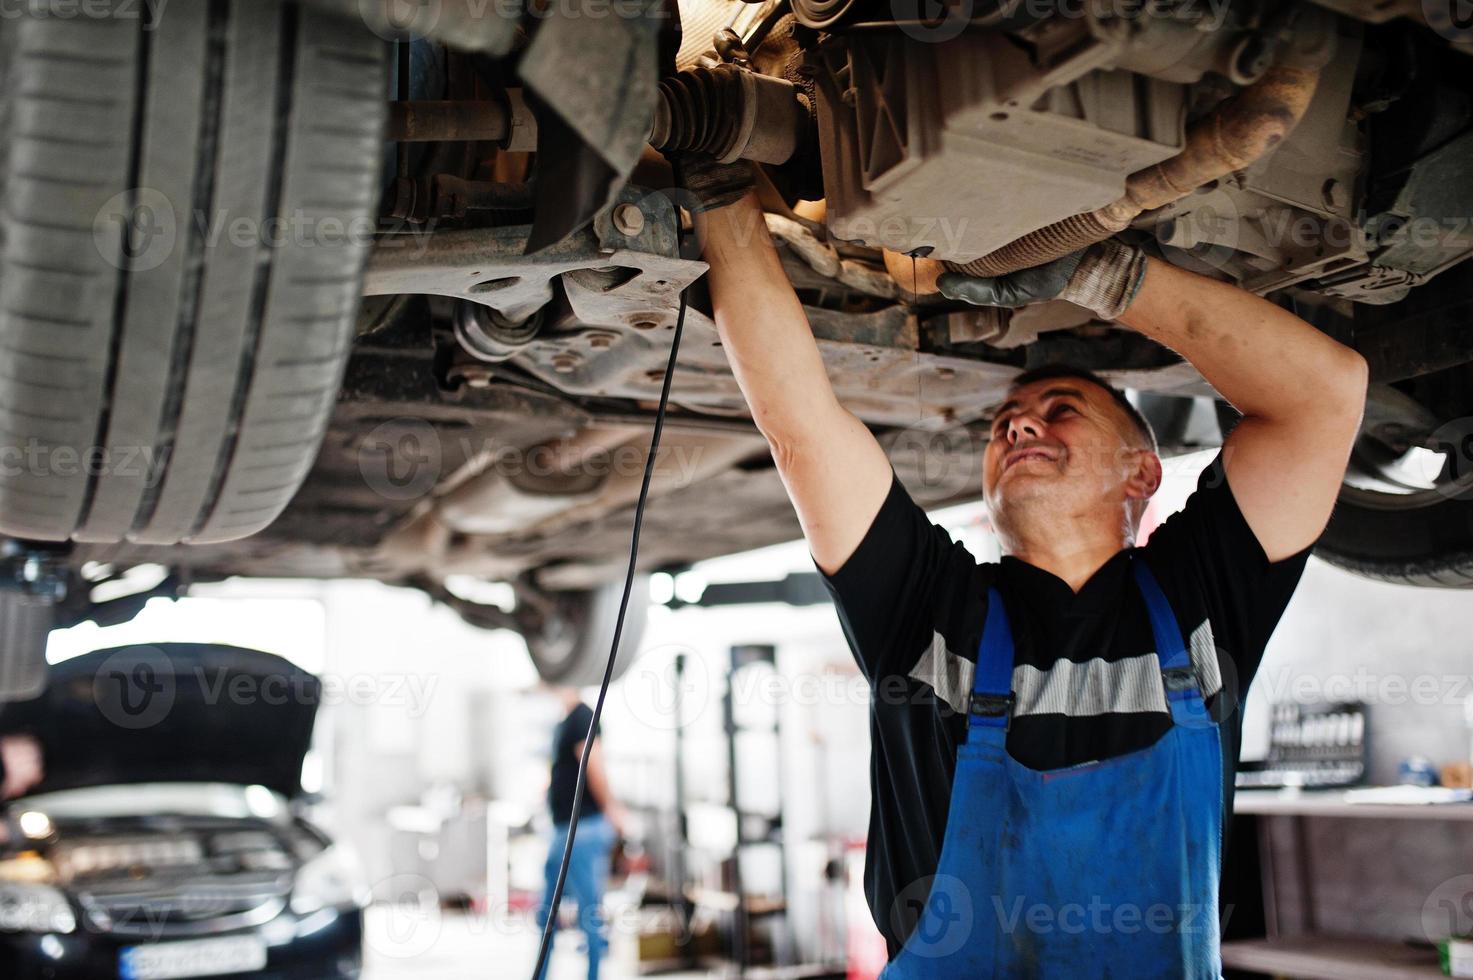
(1108, 869)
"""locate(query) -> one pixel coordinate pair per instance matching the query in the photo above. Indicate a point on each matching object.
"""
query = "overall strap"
(991, 704)
(1183, 691)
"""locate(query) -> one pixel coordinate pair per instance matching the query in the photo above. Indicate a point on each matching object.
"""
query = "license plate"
(196, 958)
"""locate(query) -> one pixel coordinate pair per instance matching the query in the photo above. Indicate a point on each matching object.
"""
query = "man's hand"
(618, 818)
(1103, 278)
(711, 184)
(1036, 285)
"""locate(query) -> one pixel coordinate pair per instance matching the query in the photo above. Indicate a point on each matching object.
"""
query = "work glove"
(711, 184)
(1103, 278)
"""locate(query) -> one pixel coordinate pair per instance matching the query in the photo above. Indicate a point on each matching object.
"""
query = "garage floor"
(461, 948)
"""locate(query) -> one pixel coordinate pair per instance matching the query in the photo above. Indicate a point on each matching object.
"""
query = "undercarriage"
(529, 255)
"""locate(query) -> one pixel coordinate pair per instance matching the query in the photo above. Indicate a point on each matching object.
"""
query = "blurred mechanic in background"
(601, 822)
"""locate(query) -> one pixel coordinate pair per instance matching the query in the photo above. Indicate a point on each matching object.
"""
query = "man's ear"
(1145, 475)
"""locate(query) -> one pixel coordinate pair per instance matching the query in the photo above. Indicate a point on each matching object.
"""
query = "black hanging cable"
(644, 491)
(915, 299)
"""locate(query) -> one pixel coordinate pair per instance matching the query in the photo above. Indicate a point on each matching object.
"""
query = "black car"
(164, 840)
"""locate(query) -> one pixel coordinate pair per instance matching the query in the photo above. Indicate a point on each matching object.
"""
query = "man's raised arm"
(835, 472)
(1300, 392)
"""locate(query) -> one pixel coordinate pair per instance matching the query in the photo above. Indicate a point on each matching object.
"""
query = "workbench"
(1341, 879)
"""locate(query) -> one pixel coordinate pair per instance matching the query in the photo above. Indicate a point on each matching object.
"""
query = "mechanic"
(1053, 735)
(602, 820)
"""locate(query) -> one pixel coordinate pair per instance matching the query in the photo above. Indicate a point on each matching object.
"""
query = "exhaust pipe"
(1236, 134)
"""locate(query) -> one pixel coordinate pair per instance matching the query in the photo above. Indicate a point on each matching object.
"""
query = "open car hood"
(172, 712)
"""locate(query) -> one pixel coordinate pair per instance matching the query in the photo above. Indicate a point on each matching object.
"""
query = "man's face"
(1062, 446)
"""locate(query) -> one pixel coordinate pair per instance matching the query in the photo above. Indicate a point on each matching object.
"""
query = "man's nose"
(1024, 426)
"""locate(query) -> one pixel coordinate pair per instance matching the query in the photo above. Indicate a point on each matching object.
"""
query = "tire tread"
(203, 360)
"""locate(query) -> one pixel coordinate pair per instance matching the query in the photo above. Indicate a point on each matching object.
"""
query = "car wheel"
(572, 646)
(1420, 539)
(1405, 511)
(188, 206)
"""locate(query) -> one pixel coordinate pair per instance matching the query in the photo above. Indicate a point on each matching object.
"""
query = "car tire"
(572, 650)
(1430, 546)
(1405, 510)
(188, 207)
(1426, 542)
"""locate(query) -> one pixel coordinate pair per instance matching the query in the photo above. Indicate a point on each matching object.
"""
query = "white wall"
(428, 701)
(1406, 651)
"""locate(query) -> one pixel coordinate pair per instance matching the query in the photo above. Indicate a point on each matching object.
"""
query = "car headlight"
(332, 879)
(35, 825)
(34, 908)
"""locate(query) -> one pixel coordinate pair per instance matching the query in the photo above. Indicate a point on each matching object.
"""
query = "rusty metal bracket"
(630, 276)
